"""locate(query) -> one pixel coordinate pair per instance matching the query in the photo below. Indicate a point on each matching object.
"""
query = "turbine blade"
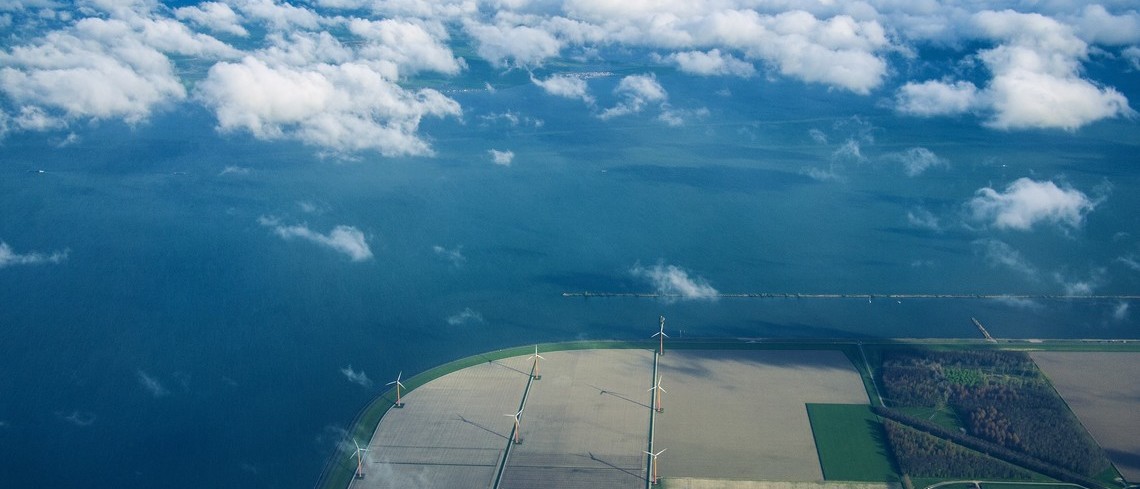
(355, 443)
(662, 451)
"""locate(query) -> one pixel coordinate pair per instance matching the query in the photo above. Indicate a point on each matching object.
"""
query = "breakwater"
(786, 295)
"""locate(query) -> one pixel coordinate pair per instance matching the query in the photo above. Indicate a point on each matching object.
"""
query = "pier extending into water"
(786, 295)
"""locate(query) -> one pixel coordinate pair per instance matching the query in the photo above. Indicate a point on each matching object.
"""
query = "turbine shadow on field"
(612, 466)
(484, 428)
(604, 392)
(496, 362)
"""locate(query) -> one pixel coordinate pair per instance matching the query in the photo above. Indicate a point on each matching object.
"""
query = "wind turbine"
(359, 459)
(516, 418)
(661, 337)
(399, 385)
(535, 357)
(657, 395)
(653, 470)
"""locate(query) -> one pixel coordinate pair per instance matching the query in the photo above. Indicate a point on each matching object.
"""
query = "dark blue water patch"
(586, 281)
(716, 178)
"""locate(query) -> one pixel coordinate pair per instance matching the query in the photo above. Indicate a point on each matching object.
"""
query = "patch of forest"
(1000, 397)
(923, 455)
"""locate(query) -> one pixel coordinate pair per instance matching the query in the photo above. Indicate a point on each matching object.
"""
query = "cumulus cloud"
(568, 86)
(513, 45)
(215, 16)
(634, 92)
(1026, 202)
(1001, 255)
(671, 281)
(408, 46)
(466, 316)
(933, 98)
(1130, 261)
(347, 107)
(915, 161)
(711, 63)
(343, 239)
(152, 384)
(8, 257)
(356, 377)
(503, 158)
(1036, 78)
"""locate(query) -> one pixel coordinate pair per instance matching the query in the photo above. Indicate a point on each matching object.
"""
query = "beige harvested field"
(741, 415)
(451, 432)
(1102, 389)
(586, 422)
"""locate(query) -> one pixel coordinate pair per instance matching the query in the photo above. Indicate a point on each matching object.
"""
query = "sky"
(222, 218)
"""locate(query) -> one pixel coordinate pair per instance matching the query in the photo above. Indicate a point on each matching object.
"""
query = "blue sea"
(178, 339)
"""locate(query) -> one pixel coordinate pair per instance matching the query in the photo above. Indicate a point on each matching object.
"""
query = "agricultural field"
(1101, 389)
(851, 443)
(741, 415)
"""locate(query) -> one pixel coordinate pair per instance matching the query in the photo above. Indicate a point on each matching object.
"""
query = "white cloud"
(1036, 78)
(11, 258)
(455, 256)
(917, 160)
(513, 45)
(215, 16)
(466, 316)
(1020, 303)
(1081, 287)
(346, 107)
(356, 377)
(407, 45)
(343, 239)
(78, 418)
(152, 385)
(674, 282)
(234, 170)
(1026, 202)
(1130, 261)
(568, 86)
(849, 151)
(101, 68)
(1132, 54)
(503, 158)
(999, 254)
(933, 98)
(818, 136)
(1097, 25)
(711, 63)
(1120, 312)
(634, 92)
(923, 219)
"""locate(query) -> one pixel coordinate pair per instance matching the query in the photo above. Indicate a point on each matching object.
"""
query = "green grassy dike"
(338, 469)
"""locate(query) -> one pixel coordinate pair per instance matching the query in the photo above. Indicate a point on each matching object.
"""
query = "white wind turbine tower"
(657, 395)
(661, 337)
(517, 427)
(398, 385)
(535, 357)
(359, 459)
(653, 469)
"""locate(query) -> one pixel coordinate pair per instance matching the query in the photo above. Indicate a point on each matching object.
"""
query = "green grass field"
(851, 443)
